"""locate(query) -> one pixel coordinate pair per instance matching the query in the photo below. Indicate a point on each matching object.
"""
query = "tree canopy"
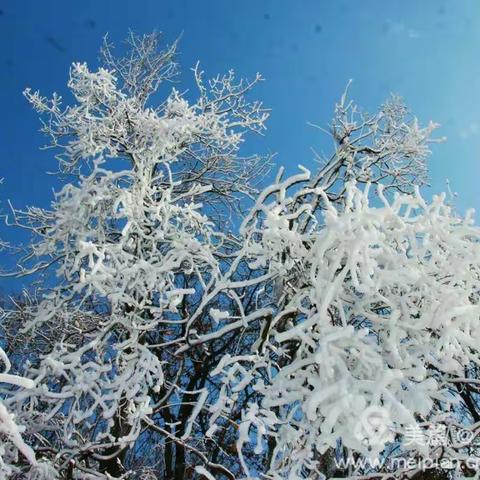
(184, 322)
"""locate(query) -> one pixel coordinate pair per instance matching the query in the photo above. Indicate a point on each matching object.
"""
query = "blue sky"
(426, 51)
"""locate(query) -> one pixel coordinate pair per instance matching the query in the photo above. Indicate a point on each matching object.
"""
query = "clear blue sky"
(426, 51)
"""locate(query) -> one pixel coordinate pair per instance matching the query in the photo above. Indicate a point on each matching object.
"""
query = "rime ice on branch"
(135, 245)
(380, 308)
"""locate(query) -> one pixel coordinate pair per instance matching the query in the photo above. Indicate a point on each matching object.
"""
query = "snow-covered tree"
(17, 458)
(380, 326)
(183, 325)
(134, 242)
